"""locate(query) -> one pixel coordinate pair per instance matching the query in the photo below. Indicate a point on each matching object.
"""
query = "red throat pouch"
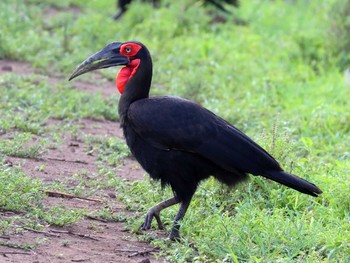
(126, 73)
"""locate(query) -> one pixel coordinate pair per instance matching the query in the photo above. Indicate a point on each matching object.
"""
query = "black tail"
(294, 182)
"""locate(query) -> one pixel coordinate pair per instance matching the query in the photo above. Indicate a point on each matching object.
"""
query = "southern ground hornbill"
(177, 141)
(122, 5)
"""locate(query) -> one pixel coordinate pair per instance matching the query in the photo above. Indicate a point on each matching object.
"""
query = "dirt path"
(88, 240)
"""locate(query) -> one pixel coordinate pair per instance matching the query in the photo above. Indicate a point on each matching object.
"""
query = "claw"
(159, 222)
(174, 235)
(155, 211)
(148, 220)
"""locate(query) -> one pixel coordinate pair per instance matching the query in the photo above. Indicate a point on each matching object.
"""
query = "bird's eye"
(128, 49)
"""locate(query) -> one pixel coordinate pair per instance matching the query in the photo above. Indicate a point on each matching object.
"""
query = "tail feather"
(294, 182)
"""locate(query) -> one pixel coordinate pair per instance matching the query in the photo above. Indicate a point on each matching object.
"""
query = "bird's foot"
(149, 217)
(174, 234)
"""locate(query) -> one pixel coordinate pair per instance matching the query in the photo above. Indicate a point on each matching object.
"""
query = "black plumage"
(122, 5)
(178, 141)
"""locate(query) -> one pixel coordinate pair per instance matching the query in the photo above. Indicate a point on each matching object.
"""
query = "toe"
(174, 235)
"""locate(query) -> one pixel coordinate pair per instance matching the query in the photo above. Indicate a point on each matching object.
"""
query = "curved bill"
(109, 56)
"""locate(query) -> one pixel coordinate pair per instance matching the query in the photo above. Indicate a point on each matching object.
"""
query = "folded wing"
(172, 123)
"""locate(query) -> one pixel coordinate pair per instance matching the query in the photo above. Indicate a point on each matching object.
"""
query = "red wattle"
(126, 73)
(122, 78)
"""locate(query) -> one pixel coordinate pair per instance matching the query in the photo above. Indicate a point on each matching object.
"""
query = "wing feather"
(172, 123)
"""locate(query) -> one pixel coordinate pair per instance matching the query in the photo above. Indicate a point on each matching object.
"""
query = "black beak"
(109, 56)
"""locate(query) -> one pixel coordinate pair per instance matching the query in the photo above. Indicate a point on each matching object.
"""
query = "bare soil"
(88, 240)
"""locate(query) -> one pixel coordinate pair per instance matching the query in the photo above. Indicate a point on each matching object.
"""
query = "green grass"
(278, 78)
(23, 195)
(27, 98)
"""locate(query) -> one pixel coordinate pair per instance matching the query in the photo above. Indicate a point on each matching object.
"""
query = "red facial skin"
(130, 50)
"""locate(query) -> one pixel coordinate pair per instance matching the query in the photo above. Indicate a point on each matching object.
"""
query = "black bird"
(177, 141)
(122, 5)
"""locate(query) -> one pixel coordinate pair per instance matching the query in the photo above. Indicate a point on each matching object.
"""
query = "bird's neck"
(136, 88)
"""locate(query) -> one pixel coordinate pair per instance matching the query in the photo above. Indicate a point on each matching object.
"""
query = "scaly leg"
(174, 234)
(154, 212)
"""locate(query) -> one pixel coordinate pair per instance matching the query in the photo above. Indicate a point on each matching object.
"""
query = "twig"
(41, 232)
(137, 252)
(14, 252)
(125, 250)
(74, 234)
(65, 160)
(85, 236)
(5, 237)
(60, 231)
(80, 260)
(97, 219)
(65, 195)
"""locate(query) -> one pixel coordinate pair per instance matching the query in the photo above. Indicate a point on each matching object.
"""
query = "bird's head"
(126, 54)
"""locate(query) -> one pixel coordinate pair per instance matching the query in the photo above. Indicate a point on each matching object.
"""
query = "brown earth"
(89, 240)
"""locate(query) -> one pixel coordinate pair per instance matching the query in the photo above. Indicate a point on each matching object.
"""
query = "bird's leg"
(174, 234)
(154, 212)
